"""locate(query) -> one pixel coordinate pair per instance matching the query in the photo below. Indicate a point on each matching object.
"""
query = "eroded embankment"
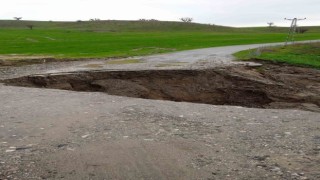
(269, 86)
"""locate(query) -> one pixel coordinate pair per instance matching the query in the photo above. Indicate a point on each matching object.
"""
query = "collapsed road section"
(268, 86)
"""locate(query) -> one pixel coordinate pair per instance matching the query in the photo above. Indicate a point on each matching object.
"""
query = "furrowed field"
(127, 38)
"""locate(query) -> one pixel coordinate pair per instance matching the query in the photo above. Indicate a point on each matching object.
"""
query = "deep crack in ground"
(268, 86)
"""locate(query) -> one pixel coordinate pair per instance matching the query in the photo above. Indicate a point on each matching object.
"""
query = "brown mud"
(267, 86)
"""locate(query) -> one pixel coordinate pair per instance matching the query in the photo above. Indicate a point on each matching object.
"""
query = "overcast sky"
(220, 12)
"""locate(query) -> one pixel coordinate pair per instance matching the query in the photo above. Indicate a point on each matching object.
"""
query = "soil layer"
(267, 86)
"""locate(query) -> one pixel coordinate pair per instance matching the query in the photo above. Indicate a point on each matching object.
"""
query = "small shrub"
(301, 30)
(30, 26)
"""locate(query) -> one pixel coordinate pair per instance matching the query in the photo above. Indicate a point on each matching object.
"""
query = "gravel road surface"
(54, 134)
(58, 134)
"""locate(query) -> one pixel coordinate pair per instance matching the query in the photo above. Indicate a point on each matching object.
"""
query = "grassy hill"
(113, 26)
(101, 39)
(142, 26)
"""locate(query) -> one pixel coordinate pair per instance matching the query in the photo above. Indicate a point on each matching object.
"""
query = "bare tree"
(95, 19)
(270, 24)
(18, 18)
(186, 19)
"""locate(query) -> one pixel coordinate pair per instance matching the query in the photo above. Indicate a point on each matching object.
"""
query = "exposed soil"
(268, 86)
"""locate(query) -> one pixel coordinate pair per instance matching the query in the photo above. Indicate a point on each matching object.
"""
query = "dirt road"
(54, 134)
(58, 134)
(193, 59)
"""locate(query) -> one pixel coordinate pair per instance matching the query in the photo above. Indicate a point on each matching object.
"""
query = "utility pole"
(293, 29)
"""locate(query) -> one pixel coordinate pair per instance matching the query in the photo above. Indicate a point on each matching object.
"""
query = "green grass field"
(70, 40)
(297, 54)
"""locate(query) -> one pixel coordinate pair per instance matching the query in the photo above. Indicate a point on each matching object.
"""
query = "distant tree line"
(148, 20)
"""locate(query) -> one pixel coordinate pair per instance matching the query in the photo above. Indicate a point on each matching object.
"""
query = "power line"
(293, 29)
